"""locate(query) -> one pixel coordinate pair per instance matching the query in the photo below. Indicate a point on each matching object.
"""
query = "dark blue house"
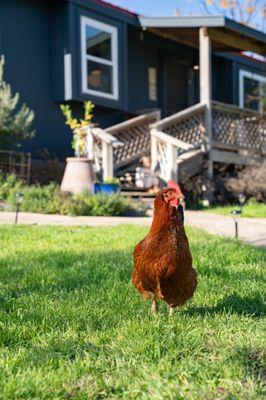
(76, 50)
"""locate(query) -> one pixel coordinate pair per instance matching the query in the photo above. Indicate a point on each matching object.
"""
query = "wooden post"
(171, 156)
(108, 164)
(206, 88)
(154, 152)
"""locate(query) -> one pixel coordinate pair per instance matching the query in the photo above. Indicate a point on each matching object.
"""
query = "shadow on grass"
(254, 361)
(234, 304)
(69, 271)
(99, 270)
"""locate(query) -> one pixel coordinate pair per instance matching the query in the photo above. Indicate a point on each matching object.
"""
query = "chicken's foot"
(154, 307)
(171, 311)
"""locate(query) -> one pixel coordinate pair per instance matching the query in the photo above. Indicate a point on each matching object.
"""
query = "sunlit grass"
(252, 209)
(73, 327)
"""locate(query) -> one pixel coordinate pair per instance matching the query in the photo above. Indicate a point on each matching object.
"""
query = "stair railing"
(121, 144)
(103, 145)
(176, 135)
(135, 136)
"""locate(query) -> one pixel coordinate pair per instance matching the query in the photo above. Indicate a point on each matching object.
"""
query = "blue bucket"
(106, 188)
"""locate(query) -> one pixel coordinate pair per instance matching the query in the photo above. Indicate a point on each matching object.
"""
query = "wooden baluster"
(108, 163)
(171, 155)
(154, 152)
(89, 143)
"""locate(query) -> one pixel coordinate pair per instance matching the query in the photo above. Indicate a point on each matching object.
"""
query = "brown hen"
(162, 260)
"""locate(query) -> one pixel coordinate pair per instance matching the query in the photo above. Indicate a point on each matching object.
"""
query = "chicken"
(162, 260)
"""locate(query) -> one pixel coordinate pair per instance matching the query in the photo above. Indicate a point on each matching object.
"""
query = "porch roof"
(226, 34)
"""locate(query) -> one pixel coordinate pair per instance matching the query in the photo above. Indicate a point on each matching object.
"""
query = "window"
(99, 59)
(252, 91)
(152, 79)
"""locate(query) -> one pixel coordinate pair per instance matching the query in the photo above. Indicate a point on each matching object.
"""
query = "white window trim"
(113, 62)
(247, 74)
(68, 76)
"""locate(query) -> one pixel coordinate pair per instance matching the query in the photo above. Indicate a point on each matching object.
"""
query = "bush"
(228, 182)
(48, 200)
(99, 204)
(36, 198)
(7, 185)
(250, 181)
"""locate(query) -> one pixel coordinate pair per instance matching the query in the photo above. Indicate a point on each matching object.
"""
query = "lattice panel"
(136, 139)
(190, 129)
(239, 128)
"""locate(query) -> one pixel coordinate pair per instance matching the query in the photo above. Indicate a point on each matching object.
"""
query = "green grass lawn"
(73, 327)
(250, 210)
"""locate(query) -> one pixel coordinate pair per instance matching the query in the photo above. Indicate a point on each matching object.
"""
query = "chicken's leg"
(154, 307)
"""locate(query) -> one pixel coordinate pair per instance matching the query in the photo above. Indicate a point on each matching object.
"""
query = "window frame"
(247, 74)
(113, 63)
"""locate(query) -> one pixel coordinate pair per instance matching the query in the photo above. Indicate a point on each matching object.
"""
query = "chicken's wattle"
(174, 202)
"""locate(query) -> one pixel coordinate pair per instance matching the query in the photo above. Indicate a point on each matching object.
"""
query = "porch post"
(206, 88)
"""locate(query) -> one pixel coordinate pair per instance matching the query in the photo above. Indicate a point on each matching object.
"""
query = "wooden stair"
(190, 163)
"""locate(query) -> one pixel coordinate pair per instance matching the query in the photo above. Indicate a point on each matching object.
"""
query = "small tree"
(14, 124)
(79, 142)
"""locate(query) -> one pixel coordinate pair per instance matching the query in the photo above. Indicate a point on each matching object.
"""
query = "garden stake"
(235, 215)
(19, 199)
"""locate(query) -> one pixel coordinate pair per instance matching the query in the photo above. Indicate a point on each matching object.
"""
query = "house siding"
(222, 71)
(26, 38)
(148, 50)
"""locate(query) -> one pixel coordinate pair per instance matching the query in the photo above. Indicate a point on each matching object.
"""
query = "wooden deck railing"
(168, 140)
(235, 128)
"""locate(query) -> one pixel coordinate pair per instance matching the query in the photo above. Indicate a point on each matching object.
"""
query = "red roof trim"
(111, 6)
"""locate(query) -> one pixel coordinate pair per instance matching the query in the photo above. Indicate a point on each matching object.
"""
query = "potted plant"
(109, 186)
(79, 174)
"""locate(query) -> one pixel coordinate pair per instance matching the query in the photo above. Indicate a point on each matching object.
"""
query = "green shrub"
(48, 200)
(7, 184)
(36, 198)
(99, 204)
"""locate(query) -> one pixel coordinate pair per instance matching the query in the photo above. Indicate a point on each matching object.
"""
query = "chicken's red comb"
(175, 186)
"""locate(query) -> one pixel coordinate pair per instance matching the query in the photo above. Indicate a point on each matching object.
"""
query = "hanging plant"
(78, 127)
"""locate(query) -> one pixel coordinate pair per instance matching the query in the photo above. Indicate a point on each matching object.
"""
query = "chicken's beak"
(180, 200)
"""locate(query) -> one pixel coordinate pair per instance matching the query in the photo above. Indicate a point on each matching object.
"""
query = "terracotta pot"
(78, 176)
